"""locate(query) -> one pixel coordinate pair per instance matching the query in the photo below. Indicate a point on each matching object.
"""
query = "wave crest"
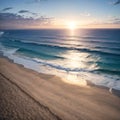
(1, 33)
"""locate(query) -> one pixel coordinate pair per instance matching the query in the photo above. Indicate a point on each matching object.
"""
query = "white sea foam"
(78, 78)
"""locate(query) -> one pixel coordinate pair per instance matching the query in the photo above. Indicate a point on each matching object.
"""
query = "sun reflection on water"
(74, 61)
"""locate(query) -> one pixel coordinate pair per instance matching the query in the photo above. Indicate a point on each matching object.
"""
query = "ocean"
(75, 55)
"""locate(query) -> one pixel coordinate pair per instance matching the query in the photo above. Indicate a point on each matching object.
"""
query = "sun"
(72, 25)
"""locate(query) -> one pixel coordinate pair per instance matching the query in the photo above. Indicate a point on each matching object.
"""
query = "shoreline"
(63, 99)
(88, 83)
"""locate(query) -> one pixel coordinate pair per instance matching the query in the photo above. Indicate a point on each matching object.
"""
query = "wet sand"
(28, 95)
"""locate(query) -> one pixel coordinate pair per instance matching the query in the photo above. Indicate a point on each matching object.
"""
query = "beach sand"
(28, 95)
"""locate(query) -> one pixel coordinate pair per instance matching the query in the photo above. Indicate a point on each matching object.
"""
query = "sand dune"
(62, 100)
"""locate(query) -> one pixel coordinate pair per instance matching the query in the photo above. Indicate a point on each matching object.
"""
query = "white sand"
(69, 102)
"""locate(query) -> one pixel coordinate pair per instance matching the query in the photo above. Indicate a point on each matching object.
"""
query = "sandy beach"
(28, 95)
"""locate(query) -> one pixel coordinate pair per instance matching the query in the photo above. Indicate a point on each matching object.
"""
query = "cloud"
(9, 16)
(110, 21)
(117, 2)
(23, 11)
(11, 21)
(27, 11)
(115, 21)
(6, 9)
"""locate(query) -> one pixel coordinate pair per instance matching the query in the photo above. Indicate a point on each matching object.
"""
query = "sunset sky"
(21, 14)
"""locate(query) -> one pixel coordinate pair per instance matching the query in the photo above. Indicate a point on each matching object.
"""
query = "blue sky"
(57, 13)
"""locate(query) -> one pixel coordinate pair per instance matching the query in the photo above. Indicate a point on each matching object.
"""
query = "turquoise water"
(88, 51)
